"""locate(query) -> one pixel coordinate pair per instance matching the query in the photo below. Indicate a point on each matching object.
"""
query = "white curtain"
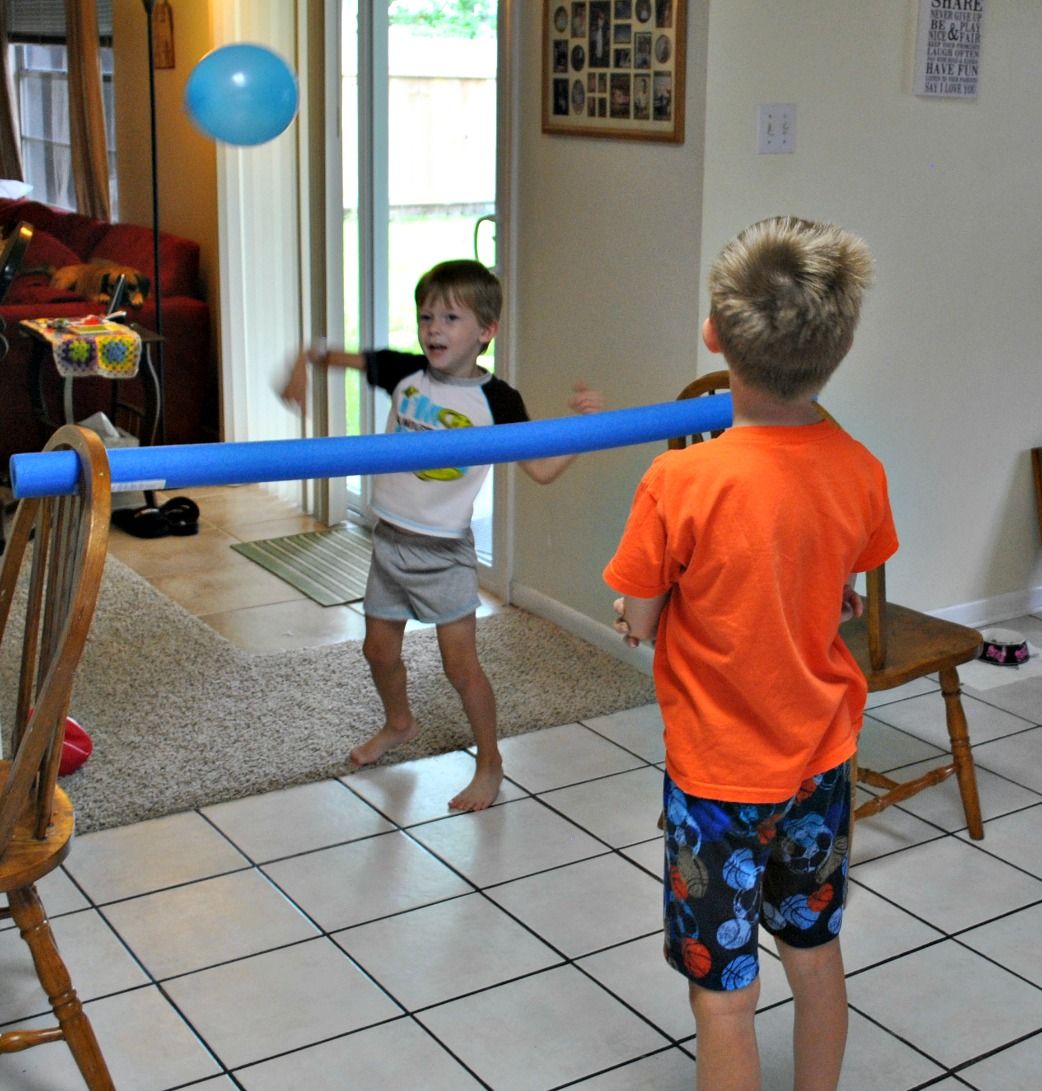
(259, 198)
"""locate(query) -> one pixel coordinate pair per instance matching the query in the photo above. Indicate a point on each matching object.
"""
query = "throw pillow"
(47, 252)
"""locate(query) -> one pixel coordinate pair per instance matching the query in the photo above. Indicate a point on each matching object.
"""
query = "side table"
(140, 422)
(145, 420)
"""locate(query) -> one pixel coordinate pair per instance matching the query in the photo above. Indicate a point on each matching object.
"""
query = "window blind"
(43, 21)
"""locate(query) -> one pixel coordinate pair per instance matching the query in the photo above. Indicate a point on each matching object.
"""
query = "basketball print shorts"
(731, 867)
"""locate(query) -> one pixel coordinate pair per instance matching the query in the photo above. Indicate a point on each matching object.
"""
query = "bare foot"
(480, 793)
(387, 738)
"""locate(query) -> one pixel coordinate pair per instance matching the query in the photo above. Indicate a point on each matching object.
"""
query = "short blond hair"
(785, 298)
(464, 282)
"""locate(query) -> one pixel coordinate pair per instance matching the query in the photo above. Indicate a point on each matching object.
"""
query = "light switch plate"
(776, 128)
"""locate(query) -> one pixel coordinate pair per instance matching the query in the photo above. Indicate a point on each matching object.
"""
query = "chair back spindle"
(875, 608)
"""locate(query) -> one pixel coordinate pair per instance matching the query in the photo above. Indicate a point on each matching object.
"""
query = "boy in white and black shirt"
(424, 563)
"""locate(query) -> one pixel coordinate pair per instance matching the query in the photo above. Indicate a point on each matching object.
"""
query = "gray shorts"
(421, 577)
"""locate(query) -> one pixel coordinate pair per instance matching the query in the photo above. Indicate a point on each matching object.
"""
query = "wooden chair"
(61, 542)
(893, 645)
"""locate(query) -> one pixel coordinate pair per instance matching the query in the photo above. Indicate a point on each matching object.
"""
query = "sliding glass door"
(419, 122)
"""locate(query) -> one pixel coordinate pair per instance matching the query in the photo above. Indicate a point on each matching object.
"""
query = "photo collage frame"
(614, 68)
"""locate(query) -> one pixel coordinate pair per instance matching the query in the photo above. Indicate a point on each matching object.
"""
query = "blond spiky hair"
(785, 298)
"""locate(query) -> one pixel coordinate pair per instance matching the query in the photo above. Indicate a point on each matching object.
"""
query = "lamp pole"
(156, 291)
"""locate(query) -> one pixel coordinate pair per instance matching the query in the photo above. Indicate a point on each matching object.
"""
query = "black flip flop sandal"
(182, 515)
(143, 522)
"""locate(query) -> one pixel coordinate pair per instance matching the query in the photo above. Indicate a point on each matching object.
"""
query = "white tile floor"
(350, 934)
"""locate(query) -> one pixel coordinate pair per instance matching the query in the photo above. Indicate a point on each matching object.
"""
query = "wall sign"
(614, 68)
(947, 56)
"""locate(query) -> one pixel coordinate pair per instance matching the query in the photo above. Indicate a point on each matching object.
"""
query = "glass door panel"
(427, 149)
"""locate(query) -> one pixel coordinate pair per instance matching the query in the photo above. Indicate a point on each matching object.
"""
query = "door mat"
(329, 566)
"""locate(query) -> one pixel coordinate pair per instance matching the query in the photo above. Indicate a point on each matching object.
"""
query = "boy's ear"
(712, 342)
(489, 332)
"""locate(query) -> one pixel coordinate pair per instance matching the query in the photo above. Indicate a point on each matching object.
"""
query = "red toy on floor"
(76, 748)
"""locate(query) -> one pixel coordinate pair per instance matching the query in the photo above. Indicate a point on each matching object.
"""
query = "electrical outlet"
(777, 128)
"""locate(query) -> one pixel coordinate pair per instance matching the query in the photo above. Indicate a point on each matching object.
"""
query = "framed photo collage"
(614, 68)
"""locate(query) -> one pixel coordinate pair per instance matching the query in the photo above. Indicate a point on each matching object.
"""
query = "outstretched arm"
(545, 470)
(316, 354)
(637, 619)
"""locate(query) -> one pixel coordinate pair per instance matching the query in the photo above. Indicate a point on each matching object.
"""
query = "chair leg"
(28, 913)
(962, 755)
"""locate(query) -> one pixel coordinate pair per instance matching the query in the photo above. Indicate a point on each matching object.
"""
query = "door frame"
(498, 577)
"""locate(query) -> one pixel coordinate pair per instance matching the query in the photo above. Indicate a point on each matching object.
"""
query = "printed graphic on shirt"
(438, 502)
(419, 413)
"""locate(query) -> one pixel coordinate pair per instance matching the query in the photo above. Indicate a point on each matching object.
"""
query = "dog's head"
(135, 290)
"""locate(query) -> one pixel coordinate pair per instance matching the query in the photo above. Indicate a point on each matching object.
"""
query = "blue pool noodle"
(179, 466)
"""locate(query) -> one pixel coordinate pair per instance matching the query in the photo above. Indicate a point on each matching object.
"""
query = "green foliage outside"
(446, 18)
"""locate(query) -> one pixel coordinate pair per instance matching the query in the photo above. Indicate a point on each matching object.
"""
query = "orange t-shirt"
(754, 534)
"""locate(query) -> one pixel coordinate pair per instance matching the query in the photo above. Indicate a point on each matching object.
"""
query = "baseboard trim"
(600, 635)
(998, 608)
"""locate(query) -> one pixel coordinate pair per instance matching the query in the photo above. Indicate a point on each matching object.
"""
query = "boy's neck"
(756, 407)
(475, 371)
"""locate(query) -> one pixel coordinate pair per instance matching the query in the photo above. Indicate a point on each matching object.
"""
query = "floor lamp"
(160, 436)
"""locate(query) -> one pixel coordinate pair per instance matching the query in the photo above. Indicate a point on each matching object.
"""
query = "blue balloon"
(241, 94)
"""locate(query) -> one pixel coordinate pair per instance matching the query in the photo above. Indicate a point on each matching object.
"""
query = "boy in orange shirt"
(736, 559)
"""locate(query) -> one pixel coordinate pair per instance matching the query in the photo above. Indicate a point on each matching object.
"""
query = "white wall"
(608, 244)
(186, 158)
(944, 381)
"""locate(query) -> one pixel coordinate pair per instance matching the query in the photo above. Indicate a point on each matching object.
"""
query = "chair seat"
(28, 858)
(919, 645)
(916, 644)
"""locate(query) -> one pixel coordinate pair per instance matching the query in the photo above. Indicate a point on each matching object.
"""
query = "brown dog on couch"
(97, 279)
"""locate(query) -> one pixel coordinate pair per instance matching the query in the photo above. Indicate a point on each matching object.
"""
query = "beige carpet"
(181, 718)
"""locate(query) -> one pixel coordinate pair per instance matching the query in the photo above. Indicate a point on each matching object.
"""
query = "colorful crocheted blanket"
(90, 346)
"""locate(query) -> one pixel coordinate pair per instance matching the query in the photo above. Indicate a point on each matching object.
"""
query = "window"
(39, 70)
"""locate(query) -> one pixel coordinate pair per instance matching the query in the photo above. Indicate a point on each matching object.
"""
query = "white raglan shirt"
(438, 502)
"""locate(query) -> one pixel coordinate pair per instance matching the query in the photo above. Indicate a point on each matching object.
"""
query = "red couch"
(66, 238)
